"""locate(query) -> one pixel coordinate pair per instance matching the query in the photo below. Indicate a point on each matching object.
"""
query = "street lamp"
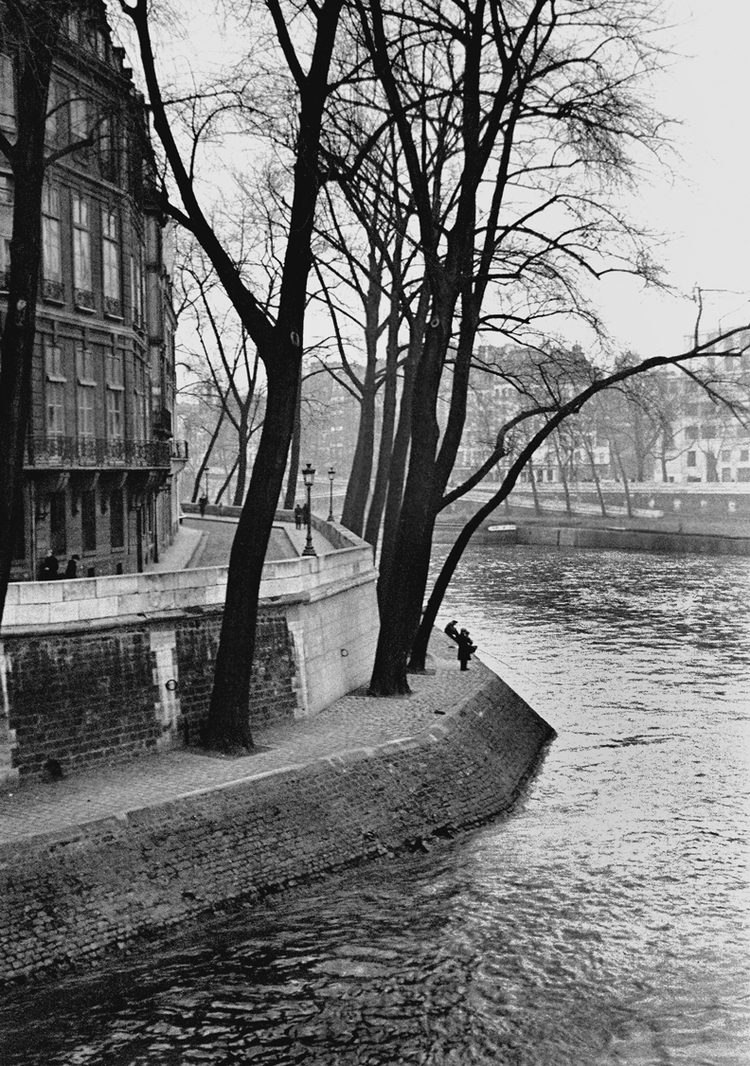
(308, 476)
(331, 476)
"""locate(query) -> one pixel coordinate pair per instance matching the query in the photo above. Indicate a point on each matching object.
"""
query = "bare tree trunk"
(291, 483)
(623, 474)
(563, 478)
(358, 486)
(37, 28)
(595, 474)
(207, 455)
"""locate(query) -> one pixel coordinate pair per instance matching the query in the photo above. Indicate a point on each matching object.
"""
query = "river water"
(606, 922)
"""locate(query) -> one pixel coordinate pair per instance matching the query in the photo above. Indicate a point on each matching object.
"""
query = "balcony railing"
(96, 452)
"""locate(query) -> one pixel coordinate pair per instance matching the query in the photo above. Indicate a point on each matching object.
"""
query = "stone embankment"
(89, 864)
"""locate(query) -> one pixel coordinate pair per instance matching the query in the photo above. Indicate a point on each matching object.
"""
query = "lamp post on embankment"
(308, 476)
(331, 476)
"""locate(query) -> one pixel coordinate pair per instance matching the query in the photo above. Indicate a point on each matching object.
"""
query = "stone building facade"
(100, 470)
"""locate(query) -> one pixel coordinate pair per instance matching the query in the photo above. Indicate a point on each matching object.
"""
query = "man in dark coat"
(48, 571)
(465, 648)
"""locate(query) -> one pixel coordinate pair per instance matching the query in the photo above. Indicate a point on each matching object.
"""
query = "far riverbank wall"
(68, 897)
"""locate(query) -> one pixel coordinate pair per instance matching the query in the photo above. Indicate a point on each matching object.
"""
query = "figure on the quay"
(452, 631)
(71, 570)
(465, 648)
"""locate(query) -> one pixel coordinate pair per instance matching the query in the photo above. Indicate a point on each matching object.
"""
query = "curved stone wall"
(73, 895)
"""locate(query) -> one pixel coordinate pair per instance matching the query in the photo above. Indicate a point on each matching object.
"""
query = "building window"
(111, 262)
(85, 392)
(139, 402)
(692, 459)
(88, 520)
(7, 93)
(6, 228)
(114, 414)
(136, 287)
(72, 26)
(726, 473)
(57, 523)
(52, 288)
(108, 149)
(79, 118)
(744, 455)
(55, 389)
(84, 296)
(52, 121)
(726, 456)
(691, 432)
(116, 519)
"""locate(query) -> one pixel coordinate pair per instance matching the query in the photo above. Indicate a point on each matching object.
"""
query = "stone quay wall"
(67, 897)
(95, 669)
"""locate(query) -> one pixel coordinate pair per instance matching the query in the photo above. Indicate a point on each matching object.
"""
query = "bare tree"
(298, 45)
(538, 108)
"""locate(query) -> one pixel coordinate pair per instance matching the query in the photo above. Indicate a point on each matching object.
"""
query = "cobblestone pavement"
(354, 721)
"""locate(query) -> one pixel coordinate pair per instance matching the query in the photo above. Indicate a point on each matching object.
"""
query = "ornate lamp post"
(331, 476)
(308, 476)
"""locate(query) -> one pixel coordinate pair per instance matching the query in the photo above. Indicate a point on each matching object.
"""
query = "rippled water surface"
(605, 922)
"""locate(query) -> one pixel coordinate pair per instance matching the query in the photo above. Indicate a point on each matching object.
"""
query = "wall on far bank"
(631, 540)
(72, 896)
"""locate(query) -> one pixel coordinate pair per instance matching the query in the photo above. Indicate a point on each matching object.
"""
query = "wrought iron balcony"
(98, 453)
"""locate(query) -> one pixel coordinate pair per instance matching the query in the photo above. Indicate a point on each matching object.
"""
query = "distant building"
(708, 444)
(102, 464)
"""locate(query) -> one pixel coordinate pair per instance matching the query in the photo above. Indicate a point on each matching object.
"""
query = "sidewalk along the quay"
(355, 721)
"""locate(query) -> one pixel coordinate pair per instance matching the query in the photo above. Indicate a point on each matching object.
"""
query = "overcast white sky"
(703, 210)
(706, 209)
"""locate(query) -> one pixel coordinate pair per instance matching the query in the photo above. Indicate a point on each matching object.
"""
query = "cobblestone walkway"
(354, 721)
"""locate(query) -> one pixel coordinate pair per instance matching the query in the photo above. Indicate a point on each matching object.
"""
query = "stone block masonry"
(72, 895)
(84, 696)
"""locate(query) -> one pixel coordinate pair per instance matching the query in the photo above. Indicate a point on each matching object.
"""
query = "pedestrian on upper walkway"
(202, 505)
(49, 570)
(297, 517)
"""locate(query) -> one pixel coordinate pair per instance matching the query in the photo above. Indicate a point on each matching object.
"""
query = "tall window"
(114, 414)
(7, 93)
(84, 295)
(58, 523)
(6, 228)
(52, 123)
(139, 401)
(85, 392)
(111, 262)
(115, 394)
(51, 244)
(108, 149)
(136, 286)
(88, 521)
(79, 118)
(55, 389)
(116, 519)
